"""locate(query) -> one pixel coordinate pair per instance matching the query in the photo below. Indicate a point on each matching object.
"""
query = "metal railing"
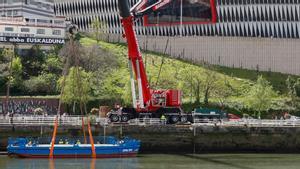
(147, 121)
(73, 121)
(264, 123)
(77, 121)
(40, 120)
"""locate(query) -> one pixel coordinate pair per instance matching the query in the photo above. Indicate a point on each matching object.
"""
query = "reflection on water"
(117, 163)
(162, 161)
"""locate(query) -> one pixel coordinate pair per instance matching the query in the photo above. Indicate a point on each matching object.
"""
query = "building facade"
(31, 21)
(260, 35)
(29, 8)
(235, 18)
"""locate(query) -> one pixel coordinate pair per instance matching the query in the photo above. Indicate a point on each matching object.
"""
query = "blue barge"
(112, 148)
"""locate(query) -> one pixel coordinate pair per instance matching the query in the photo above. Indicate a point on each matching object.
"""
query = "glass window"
(58, 22)
(25, 30)
(56, 32)
(43, 21)
(9, 29)
(40, 31)
(192, 11)
(9, 13)
(32, 20)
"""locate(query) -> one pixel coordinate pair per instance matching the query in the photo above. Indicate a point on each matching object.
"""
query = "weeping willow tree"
(75, 83)
(77, 88)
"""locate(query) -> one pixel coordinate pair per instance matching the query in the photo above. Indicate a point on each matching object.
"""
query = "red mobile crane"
(149, 102)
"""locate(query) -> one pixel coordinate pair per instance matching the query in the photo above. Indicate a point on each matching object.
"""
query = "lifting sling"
(53, 138)
(91, 140)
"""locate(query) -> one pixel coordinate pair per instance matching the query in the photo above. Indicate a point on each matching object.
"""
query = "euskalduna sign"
(33, 40)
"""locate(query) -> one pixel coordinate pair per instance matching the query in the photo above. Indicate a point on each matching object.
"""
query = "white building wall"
(252, 34)
(263, 54)
(241, 18)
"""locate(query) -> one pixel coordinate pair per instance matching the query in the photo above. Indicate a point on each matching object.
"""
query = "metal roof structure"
(235, 18)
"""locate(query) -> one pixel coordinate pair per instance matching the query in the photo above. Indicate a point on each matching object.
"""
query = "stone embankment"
(185, 139)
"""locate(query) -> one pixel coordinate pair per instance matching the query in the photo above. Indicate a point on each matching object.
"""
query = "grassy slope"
(278, 80)
(170, 66)
(239, 79)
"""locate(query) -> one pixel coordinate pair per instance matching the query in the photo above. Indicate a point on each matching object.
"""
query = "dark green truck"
(207, 114)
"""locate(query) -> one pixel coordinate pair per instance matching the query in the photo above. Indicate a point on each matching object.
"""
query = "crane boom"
(154, 103)
(134, 55)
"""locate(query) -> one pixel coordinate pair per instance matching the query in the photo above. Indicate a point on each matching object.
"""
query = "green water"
(162, 161)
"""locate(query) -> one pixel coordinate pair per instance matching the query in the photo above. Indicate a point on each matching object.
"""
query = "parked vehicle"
(206, 115)
(233, 117)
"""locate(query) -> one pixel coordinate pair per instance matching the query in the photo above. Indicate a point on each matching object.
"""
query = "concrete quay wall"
(186, 139)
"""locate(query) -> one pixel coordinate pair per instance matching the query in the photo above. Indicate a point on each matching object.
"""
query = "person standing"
(163, 119)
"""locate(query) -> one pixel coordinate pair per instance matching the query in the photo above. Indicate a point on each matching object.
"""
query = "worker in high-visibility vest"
(163, 119)
(78, 142)
(66, 141)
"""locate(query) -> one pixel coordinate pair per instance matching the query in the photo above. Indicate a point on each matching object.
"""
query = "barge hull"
(77, 156)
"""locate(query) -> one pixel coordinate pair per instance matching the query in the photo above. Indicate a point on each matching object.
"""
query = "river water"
(163, 161)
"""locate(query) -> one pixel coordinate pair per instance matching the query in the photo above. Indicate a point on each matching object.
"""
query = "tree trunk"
(191, 93)
(9, 77)
(74, 107)
(222, 106)
(197, 92)
(85, 109)
(254, 114)
(206, 97)
(81, 108)
(7, 96)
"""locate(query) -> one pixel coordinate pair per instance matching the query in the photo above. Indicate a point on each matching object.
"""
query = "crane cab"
(166, 98)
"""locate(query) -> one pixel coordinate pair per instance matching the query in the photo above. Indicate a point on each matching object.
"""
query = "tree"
(223, 91)
(53, 64)
(70, 53)
(98, 29)
(290, 85)
(259, 98)
(42, 84)
(101, 63)
(77, 87)
(33, 61)
(8, 62)
(56, 49)
(297, 87)
(209, 84)
(96, 58)
(116, 86)
(293, 86)
(5, 58)
(192, 79)
(46, 81)
(16, 72)
(196, 81)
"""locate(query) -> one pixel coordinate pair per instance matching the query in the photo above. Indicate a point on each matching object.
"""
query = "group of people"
(61, 141)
